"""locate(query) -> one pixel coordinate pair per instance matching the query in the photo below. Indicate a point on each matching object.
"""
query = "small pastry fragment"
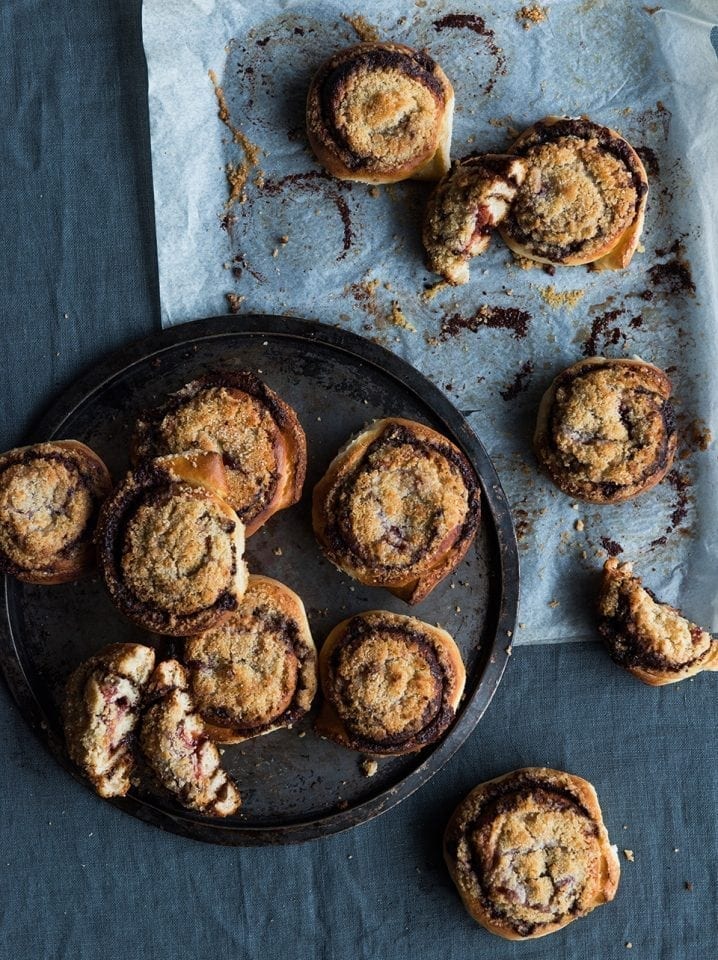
(583, 198)
(397, 508)
(606, 430)
(50, 494)
(380, 113)
(258, 435)
(100, 712)
(170, 547)
(391, 684)
(529, 853)
(257, 670)
(649, 638)
(465, 208)
(177, 749)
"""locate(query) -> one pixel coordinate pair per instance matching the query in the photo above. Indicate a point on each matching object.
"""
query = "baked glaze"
(583, 198)
(529, 853)
(398, 508)
(379, 113)
(177, 749)
(50, 495)
(391, 684)
(170, 547)
(258, 435)
(606, 429)
(465, 208)
(100, 711)
(257, 670)
(649, 638)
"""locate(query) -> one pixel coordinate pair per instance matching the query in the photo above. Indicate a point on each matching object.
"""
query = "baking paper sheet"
(298, 242)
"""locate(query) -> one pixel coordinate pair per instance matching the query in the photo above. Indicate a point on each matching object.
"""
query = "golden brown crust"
(649, 638)
(100, 711)
(465, 208)
(177, 749)
(257, 670)
(606, 429)
(50, 494)
(170, 549)
(529, 853)
(233, 413)
(391, 684)
(380, 113)
(583, 199)
(398, 508)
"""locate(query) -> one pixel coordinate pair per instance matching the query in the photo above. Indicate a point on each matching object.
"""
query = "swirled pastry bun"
(379, 113)
(606, 429)
(177, 749)
(50, 495)
(391, 684)
(100, 711)
(258, 435)
(257, 670)
(397, 508)
(466, 206)
(649, 638)
(170, 547)
(583, 198)
(529, 853)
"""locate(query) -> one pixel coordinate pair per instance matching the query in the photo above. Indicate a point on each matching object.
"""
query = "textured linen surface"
(80, 880)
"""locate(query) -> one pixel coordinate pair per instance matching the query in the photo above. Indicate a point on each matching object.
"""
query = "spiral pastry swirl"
(177, 749)
(583, 198)
(464, 209)
(258, 435)
(257, 670)
(397, 508)
(606, 429)
(380, 113)
(649, 638)
(391, 684)
(170, 547)
(100, 711)
(50, 495)
(529, 853)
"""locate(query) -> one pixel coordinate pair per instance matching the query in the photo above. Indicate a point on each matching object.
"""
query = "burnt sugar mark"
(649, 158)
(321, 181)
(674, 276)
(477, 25)
(240, 264)
(497, 318)
(681, 483)
(604, 333)
(520, 382)
(611, 547)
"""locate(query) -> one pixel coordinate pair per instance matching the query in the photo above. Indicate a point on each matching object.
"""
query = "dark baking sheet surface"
(295, 786)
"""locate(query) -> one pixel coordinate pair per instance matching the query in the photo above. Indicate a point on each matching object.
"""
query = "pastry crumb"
(561, 298)
(366, 31)
(688, 885)
(432, 291)
(579, 525)
(629, 855)
(398, 317)
(374, 192)
(234, 300)
(277, 551)
(369, 767)
(554, 603)
(530, 15)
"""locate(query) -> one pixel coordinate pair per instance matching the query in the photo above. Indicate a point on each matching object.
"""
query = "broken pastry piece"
(529, 853)
(464, 209)
(650, 639)
(100, 712)
(583, 199)
(380, 113)
(177, 749)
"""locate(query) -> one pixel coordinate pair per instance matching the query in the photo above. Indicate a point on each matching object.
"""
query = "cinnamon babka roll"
(257, 670)
(466, 206)
(391, 684)
(177, 749)
(529, 853)
(583, 198)
(100, 712)
(379, 113)
(397, 508)
(649, 638)
(606, 429)
(171, 547)
(50, 495)
(235, 414)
